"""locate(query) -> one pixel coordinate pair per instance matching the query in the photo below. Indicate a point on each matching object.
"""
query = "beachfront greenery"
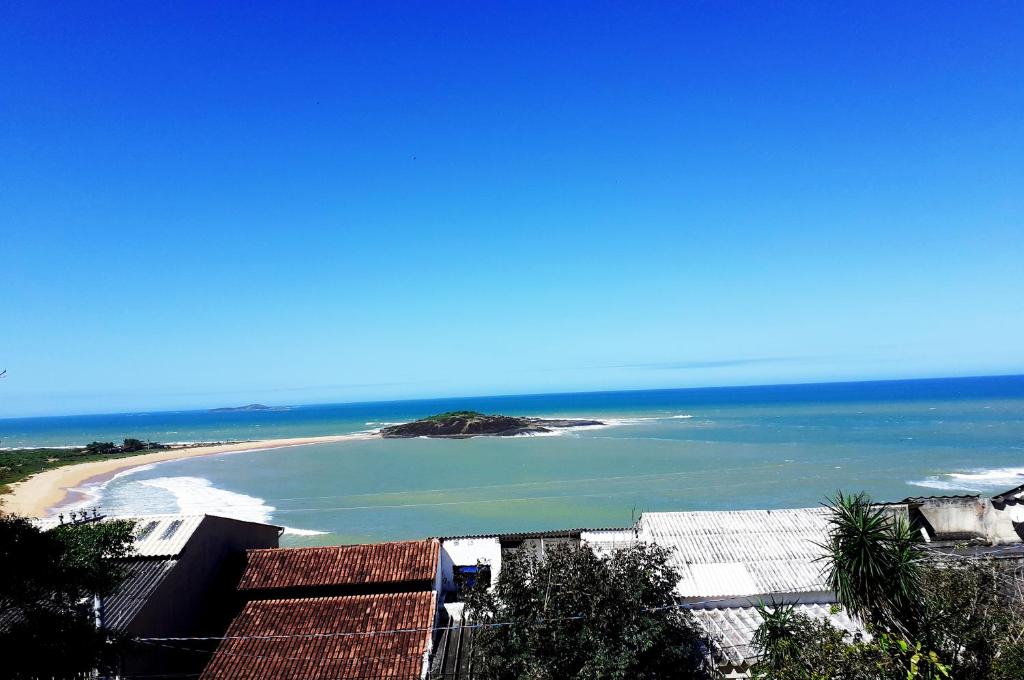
(49, 581)
(18, 464)
(928, 615)
(574, 614)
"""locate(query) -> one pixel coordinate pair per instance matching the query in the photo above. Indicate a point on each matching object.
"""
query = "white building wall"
(465, 552)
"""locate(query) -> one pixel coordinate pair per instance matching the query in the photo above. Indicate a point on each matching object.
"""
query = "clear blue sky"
(299, 202)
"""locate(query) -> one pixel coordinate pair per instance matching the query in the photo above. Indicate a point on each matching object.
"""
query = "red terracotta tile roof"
(390, 655)
(341, 565)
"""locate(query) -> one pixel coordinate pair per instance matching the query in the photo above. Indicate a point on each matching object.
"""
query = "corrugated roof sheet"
(920, 499)
(340, 565)
(742, 553)
(144, 576)
(164, 535)
(734, 628)
(397, 656)
(607, 541)
(155, 535)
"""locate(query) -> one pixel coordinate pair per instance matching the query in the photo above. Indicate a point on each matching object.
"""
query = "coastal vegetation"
(929, 614)
(47, 625)
(463, 424)
(19, 464)
(574, 614)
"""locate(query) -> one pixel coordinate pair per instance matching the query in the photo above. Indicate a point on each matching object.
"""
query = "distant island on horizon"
(248, 407)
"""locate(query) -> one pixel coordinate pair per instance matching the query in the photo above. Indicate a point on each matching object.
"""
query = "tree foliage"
(574, 614)
(131, 445)
(874, 564)
(49, 580)
(797, 647)
(101, 448)
(974, 616)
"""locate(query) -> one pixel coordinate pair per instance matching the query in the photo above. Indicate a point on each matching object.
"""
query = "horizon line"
(541, 394)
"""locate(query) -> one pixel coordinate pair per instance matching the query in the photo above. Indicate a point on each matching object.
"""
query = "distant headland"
(464, 424)
(248, 407)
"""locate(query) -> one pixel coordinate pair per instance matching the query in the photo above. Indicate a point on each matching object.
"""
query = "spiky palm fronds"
(874, 564)
(776, 637)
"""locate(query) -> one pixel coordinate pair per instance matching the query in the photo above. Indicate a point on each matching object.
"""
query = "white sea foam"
(303, 532)
(637, 420)
(91, 495)
(605, 423)
(978, 480)
(197, 495)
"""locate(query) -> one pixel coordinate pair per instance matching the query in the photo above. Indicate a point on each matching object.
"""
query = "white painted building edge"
(465, 552)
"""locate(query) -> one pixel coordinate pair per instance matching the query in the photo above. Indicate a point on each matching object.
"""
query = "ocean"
(685, 449)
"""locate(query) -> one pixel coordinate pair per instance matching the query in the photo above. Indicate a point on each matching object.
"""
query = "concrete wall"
(962, 518)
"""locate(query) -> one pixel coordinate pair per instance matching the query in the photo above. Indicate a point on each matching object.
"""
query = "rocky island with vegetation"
(464, 424)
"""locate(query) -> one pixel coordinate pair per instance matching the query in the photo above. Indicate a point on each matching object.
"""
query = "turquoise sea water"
(778, 446)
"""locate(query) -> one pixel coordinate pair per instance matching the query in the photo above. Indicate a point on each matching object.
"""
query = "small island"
(465, 424)
(248, 407)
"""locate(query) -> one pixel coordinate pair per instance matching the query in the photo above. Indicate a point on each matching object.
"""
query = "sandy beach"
(41, 493)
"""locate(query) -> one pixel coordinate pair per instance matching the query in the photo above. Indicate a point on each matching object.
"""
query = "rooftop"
(381, 563)
(155, 535)
(742, 553)
(734, 628)
(327, 638)
(142, 580)
(1013, 495)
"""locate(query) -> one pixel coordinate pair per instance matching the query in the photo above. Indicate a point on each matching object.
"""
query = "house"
(462, 554)
(731, 561)
(361, 611)
(179, 584)
(467, 559)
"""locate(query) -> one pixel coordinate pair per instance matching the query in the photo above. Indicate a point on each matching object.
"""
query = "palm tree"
(776, 637)
(874, 564)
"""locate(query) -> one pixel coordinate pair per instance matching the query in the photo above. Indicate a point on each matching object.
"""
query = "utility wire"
(482, 625)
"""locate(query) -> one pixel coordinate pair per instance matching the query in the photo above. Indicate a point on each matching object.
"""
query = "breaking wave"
(979, 481)
(191, 496)
(606, 423)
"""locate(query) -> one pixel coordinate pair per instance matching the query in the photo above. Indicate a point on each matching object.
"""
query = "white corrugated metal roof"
(606, 541)
(734, 628)
(155, 535)
(164, 535)
(742, 553)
